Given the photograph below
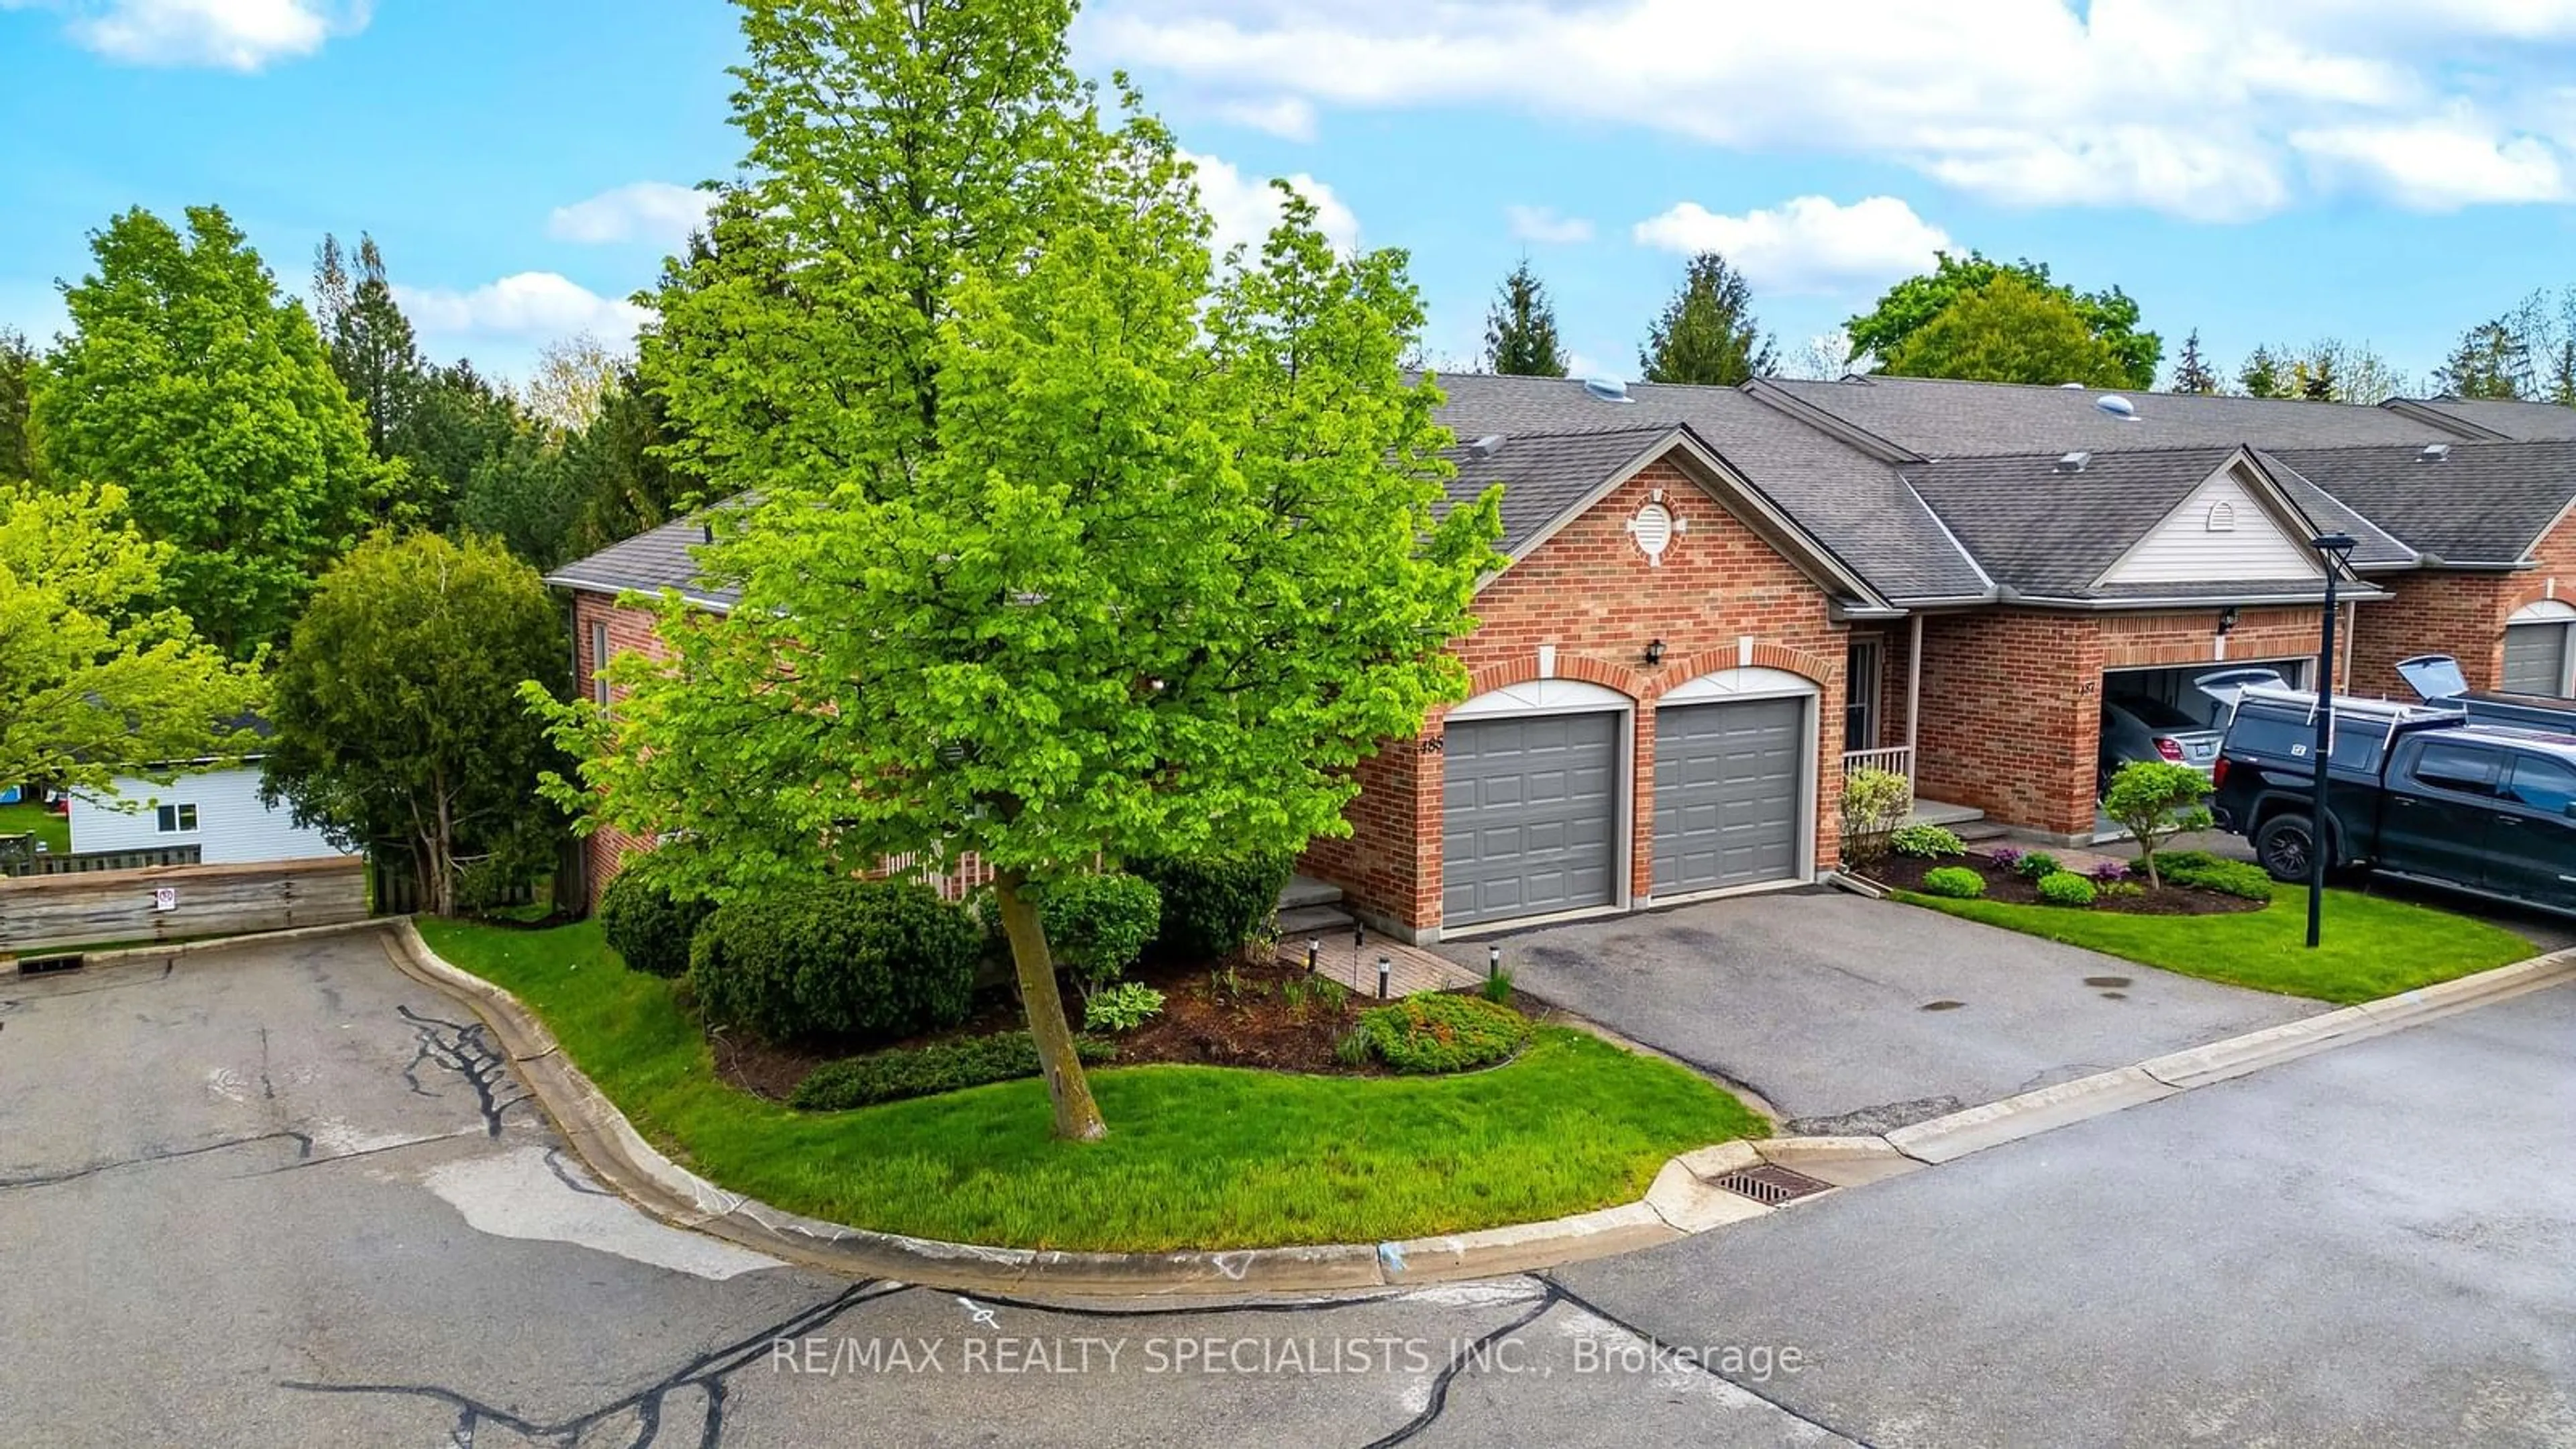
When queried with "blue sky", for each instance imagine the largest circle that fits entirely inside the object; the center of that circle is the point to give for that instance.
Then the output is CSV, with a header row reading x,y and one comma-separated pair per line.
x,y
2384,171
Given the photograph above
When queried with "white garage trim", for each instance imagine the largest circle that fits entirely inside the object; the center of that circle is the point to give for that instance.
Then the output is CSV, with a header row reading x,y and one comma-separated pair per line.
x,y
1542,696
1754,682
2543,611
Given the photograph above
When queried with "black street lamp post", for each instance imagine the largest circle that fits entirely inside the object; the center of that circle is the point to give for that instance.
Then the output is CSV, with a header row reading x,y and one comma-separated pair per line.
x,y
2332,550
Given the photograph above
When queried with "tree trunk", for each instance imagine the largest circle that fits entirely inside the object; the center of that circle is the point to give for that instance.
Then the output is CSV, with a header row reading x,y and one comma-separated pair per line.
x,y
1077,1117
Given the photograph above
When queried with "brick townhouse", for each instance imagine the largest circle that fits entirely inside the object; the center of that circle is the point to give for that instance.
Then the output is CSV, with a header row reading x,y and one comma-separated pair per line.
x,y
1721,600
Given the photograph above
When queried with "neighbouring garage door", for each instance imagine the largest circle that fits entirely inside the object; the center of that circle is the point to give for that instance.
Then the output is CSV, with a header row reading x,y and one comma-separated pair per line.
x,y
1530,817
2535,659
1730,794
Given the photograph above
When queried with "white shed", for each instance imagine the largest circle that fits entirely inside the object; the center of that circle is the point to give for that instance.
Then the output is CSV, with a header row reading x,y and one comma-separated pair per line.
x,y
217,810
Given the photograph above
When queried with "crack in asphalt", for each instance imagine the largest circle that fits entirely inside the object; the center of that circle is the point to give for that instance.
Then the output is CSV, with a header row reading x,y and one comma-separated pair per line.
x,y
555,1165
1460,1359
465,1049
1698,1361
706,1373
303,1152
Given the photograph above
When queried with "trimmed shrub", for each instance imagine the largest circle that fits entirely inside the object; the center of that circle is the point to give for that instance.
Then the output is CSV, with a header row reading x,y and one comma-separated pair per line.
x,y
648,929
948,1066
1213,908
2123,890
837,961
1123,1007
2038,865
1096,925
1927,842
1443,1033
2110,873
2155,800
2207,872
1874,804
2004,857
1955,881
2065,888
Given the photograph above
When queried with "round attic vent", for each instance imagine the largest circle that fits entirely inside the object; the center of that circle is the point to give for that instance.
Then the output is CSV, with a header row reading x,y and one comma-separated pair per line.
x,y
2114,405
1653,527
1607,388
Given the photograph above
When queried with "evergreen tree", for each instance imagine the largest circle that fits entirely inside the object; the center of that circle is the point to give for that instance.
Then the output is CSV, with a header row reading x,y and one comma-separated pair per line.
x,y
2191,370
371,341
18,363
2491,361
2261,375
1520,329
2314,379
1707,333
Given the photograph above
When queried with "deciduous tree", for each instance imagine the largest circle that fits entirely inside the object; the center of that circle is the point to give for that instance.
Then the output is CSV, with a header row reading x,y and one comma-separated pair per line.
x,y
1058,555
188,381
1520,328
2111,317
2009,330
401,723
98,677
1707,333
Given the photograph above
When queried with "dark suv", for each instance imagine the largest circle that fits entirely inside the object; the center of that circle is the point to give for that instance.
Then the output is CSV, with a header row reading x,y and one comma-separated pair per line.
x,y
2428,794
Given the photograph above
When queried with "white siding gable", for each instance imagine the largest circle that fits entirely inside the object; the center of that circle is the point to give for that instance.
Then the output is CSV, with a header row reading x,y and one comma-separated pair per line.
x,y
232,827
2222,533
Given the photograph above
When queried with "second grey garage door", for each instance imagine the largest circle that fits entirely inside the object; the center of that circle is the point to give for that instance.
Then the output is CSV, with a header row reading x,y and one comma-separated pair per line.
x,y
1730,794
1530,817
2535,659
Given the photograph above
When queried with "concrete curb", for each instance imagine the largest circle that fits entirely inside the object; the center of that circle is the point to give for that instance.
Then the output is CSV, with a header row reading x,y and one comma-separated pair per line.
x,y
216,943
1681,1203
622,1159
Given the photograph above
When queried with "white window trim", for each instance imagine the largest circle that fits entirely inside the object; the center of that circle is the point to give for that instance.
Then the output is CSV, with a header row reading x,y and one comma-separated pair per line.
x,y
185,819
599,662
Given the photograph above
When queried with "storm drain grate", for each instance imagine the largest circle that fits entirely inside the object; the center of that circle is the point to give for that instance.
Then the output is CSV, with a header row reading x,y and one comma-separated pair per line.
x,y
1772,1185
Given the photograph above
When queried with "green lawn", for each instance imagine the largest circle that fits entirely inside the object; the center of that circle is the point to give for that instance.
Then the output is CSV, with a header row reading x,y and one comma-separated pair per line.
x,y
2369,948
1197,1157
30,819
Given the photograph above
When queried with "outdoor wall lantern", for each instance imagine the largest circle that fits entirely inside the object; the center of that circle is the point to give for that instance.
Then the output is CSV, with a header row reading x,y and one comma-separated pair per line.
x,y
2227,620
1655,652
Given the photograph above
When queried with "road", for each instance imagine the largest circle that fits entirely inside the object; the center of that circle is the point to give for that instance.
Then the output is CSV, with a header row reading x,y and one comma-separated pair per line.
x,y
287,1196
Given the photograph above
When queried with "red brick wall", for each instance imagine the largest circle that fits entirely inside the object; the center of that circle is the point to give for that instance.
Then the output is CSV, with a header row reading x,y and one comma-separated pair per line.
x,y
2433,613
628,629
1590,593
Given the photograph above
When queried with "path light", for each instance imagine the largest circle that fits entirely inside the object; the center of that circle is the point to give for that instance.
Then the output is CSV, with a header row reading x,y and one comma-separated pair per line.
x,y
1385,969
1314,956
1493,962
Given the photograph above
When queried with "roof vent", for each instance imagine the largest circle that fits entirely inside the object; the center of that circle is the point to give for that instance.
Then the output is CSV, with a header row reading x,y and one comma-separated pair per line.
x,y
2434,453
2070,387
1485,447
2114,405
2075,462
1607,388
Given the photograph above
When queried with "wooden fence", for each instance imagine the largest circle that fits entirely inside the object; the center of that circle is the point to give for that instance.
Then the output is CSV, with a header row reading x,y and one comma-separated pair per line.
x,y
170,903
24,863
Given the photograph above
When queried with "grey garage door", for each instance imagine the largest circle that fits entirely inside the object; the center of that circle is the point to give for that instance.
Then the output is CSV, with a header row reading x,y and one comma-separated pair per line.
x,y
1530,817
2535,659
1730,794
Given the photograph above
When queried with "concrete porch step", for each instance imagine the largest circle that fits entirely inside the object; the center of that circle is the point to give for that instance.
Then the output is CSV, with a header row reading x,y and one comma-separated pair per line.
x,y
1936,812
1977,832
1331,922
1305,890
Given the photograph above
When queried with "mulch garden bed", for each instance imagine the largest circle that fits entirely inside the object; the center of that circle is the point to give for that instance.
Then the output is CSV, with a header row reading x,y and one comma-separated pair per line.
x,y
1905,873
1267,1014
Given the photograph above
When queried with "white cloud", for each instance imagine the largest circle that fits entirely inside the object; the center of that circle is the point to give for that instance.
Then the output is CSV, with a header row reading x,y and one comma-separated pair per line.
x,y
1542,224
530,305
230,34
2211,109
1288,117
1246,209
647,211
1807,244
2439,164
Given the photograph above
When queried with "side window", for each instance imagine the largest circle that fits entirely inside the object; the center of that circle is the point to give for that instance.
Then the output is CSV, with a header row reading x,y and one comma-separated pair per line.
x,y
2266,735
599,662
176,819
2358,744
2541,783
2465,769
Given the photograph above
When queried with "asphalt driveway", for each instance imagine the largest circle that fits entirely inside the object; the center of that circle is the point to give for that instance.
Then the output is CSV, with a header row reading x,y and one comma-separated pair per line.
x,y
1857,1015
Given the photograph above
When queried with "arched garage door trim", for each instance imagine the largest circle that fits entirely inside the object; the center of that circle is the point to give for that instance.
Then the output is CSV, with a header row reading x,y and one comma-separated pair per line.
x,y
1733,751
1535,803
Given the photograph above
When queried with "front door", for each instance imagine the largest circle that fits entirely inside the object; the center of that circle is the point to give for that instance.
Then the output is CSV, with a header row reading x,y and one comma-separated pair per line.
x,y
1860,696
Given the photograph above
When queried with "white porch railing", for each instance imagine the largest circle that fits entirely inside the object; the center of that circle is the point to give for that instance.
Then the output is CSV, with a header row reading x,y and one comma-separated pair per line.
x,y
1897,761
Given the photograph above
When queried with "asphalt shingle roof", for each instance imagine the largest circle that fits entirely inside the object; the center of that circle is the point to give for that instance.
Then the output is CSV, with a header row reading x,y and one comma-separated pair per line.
x,y
2527,421
2486,503
649,562
1854,504
2378,548
1942,419
1543,477
2043,532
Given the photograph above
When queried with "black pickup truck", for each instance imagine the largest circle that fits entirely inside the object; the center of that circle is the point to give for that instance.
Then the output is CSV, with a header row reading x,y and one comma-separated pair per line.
x,y
2444,792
